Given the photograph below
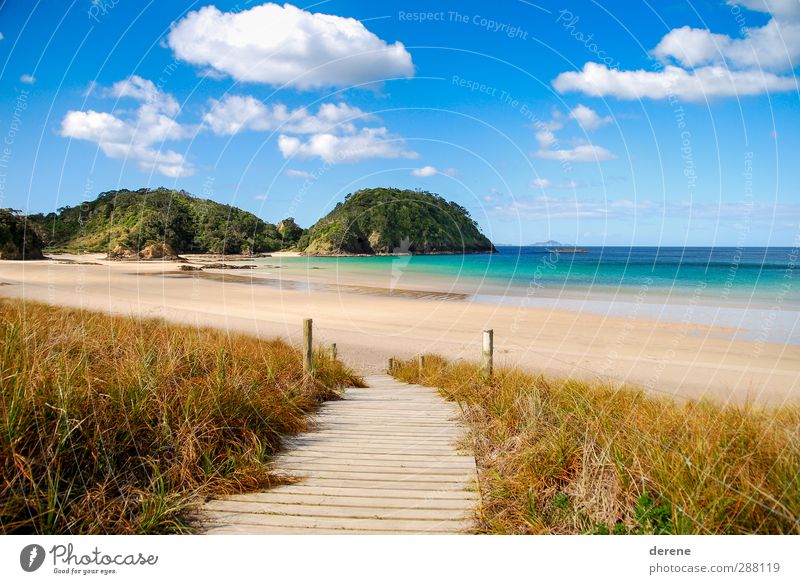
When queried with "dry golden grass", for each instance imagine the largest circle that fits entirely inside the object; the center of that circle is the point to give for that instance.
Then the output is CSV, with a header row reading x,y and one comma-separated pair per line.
x,y
118,425
565,456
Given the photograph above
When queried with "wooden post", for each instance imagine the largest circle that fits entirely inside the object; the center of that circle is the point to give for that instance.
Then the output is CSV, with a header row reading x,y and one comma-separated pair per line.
x,y
488,352
333,352
308,365
421,361
391,365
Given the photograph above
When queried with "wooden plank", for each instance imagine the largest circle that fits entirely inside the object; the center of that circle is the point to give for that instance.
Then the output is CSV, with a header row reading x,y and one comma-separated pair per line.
x,y
225,530
344,512
305,489
407,525
391,485
301,466
383,476
386,502
385,459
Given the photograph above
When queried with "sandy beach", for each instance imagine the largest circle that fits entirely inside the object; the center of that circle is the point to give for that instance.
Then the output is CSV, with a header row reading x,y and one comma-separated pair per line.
x,y
371,321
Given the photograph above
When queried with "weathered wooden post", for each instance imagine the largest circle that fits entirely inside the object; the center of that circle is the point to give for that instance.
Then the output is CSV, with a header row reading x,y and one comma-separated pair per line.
x,y
333,352
391,365
308,364
488,352
421,362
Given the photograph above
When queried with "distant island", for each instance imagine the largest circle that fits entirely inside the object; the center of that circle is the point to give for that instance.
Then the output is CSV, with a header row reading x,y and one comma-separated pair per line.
x,y
549,243
160,223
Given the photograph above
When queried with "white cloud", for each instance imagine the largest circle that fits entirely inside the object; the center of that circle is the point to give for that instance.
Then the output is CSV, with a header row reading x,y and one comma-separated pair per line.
x,y
581,153
588,119
281,45
27,79
366,143
706,82
292,173
546,183
236,113
145,91
545,138
453,172
774,46
425,171
697,64
333,135
134,138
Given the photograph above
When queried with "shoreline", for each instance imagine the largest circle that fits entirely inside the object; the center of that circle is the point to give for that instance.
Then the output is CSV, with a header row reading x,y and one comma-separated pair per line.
x,y
370,323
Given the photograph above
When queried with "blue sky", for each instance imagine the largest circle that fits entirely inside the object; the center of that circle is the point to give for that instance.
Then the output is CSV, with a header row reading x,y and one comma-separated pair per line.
x,y
612,123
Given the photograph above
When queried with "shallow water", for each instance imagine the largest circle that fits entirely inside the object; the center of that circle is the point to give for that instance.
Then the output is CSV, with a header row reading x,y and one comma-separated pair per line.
x,y
754,290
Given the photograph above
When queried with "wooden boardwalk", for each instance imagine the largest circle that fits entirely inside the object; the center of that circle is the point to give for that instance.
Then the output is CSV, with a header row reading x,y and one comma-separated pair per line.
x,y
382,460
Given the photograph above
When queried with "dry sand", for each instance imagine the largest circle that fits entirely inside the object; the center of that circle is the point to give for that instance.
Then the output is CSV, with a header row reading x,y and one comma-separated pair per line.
x,y
369,326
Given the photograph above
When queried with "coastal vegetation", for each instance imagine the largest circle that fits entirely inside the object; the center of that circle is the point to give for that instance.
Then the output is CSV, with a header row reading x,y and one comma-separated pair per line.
x,y
386,221
18,239
119,425
567,456
126,222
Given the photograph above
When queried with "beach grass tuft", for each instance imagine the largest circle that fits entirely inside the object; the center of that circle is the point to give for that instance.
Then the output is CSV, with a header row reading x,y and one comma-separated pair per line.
x,y
114,424
561,456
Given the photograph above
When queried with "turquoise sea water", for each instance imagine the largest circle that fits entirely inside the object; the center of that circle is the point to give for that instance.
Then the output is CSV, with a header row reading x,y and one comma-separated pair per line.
x,y
728,275
755,289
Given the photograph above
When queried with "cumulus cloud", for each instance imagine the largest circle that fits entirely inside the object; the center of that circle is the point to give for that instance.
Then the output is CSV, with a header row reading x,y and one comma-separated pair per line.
x,y
774,46
145,91
292,173
27,79
545,138
425,171
588,119
285,45
237,113
706,82
134,138
546,183
334,135
332,148
581,153
697,64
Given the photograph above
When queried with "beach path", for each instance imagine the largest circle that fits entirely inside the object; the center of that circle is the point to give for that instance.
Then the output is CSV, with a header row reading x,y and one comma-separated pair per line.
x,y
384,459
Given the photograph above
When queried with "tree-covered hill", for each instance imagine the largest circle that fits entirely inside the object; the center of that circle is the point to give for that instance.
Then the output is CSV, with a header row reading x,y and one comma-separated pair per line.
x,y
136,219
18,240
385,221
